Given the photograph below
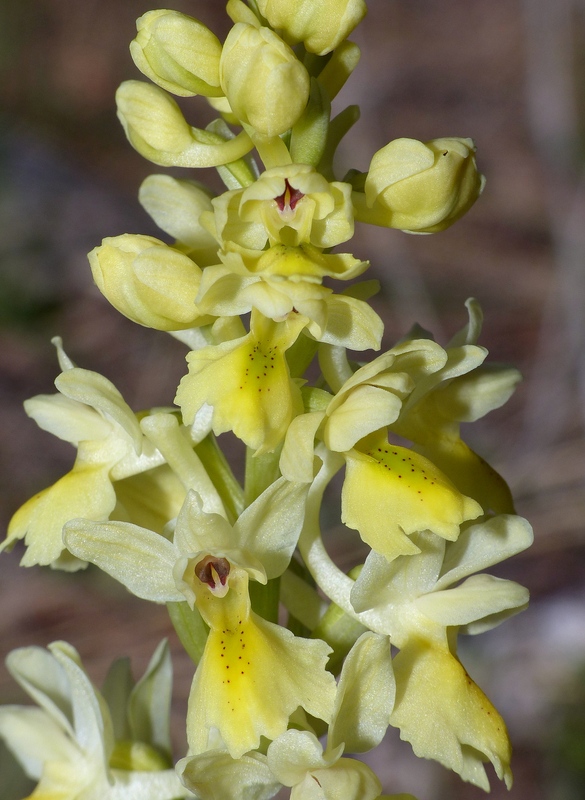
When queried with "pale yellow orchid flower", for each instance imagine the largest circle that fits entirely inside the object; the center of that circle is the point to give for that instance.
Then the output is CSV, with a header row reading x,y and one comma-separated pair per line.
x,y
420,602
284,279
77,746
253,673
420,187
389,491
90,413
290,205
178,53
149,282
464,390
247,382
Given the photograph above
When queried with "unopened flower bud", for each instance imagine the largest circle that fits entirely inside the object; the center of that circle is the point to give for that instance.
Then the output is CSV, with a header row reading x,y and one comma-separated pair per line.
x,y
147,281
319,24
178,53
265,83
156,127
153,122
420,187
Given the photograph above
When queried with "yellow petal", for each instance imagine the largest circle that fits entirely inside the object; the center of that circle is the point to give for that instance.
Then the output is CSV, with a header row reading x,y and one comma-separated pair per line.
x,y
253,674
247,382
391,492
474,476
84,492
445,715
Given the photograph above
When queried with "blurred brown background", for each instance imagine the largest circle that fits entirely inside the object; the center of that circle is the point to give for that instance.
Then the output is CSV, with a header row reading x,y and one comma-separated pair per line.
x,y
508,73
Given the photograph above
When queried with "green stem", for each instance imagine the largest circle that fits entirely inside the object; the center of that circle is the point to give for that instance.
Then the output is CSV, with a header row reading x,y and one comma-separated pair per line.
x,y
190,628
222,477
338,127
265,599
261,471
300,355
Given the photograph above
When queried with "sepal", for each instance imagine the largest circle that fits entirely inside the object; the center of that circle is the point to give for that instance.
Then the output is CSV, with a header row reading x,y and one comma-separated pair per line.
x,y
176,206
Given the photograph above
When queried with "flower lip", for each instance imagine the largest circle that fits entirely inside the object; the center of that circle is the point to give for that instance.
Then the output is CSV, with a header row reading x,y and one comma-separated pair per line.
x,y
214,571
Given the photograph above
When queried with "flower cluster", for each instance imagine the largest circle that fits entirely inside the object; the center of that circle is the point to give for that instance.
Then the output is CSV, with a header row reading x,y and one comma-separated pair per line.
x,y
249,285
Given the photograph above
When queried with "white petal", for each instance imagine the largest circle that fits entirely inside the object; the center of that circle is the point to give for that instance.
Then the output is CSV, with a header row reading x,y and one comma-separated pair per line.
x,y
472,396
98,392
270,527
45,681
140,559
156,785
483,544
150,702
477,597
69,420
34,738
91,728
175,206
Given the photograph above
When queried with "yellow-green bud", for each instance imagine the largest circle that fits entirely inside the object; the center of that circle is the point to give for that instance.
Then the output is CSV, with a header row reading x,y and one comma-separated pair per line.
x,y
147,281
152,121
178,53
319,24
265,83
420,187
156,127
